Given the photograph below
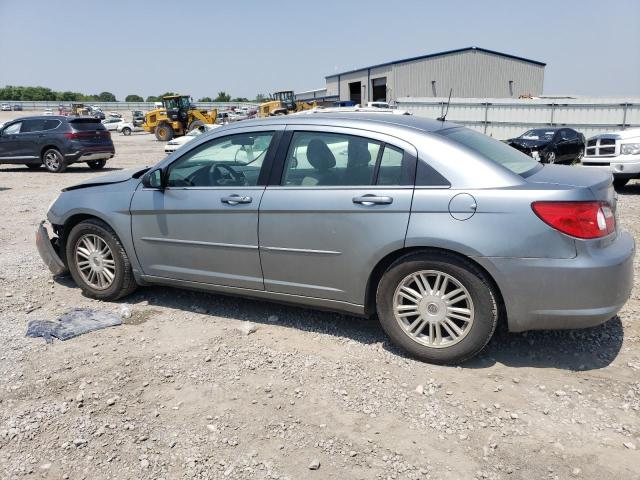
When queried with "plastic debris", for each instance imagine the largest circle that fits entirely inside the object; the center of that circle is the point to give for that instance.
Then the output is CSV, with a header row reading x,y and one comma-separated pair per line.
x,y
72,324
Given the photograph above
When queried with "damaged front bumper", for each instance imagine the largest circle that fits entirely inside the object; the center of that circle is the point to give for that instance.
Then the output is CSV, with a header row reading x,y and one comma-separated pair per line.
x,y
47,248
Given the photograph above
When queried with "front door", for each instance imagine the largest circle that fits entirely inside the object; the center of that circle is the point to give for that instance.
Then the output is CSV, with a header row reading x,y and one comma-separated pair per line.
x,y
341,205
10,142
203,227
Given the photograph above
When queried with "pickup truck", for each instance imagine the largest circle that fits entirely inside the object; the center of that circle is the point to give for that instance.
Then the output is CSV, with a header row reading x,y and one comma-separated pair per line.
x,y
617,152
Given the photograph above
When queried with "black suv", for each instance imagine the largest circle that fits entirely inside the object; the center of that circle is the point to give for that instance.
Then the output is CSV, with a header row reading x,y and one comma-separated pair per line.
x,y
55,142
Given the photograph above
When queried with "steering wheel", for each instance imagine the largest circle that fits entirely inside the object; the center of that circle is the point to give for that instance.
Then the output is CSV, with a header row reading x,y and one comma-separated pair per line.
x,y
218,175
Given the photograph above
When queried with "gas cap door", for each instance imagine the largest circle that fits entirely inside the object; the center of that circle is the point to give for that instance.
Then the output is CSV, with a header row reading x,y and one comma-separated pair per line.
x,y
462,206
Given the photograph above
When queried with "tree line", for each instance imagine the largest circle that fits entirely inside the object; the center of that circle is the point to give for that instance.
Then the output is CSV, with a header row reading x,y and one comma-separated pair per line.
x,y
11,92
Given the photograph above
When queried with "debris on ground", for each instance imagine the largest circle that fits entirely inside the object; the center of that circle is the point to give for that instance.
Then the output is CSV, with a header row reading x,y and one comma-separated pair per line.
x,y
72,324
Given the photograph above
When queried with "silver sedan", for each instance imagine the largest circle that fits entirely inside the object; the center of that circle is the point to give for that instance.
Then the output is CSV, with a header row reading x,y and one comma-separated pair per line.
x,y
436,230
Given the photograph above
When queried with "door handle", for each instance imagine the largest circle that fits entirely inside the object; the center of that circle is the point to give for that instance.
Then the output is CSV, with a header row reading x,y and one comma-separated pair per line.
x,y
235,199
370,199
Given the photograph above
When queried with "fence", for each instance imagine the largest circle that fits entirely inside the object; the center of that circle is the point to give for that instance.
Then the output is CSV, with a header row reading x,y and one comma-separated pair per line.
x,y
506,118
115,106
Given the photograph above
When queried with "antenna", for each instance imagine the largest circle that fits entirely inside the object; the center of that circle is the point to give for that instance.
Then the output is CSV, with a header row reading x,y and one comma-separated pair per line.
x,y
444,116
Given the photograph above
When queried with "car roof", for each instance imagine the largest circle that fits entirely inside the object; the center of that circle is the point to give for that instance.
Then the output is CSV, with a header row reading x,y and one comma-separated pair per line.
x,y
356,119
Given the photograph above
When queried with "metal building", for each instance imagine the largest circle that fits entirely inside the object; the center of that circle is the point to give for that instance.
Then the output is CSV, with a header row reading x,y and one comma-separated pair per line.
x,y
471,72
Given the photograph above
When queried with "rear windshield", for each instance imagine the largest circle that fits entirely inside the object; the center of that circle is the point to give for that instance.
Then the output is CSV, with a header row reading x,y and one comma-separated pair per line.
x,y
86,124
494,150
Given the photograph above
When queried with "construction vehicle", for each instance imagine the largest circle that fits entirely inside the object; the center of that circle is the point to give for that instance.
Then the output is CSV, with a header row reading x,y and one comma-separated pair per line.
x,y
283,103
79,109
176,117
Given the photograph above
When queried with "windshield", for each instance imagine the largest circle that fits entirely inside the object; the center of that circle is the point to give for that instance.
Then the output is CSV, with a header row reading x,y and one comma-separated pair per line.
x,y
494,150
538,134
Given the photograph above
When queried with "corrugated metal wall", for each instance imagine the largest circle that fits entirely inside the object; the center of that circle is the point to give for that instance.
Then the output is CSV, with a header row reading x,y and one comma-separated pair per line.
x,y
505,118
471,74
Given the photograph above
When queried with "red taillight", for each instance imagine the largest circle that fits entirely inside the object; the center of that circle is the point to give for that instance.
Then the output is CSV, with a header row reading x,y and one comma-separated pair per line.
x,y
578,219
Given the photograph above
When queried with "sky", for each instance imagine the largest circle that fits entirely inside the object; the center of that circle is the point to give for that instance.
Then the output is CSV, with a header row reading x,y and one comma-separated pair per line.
x,y
246,47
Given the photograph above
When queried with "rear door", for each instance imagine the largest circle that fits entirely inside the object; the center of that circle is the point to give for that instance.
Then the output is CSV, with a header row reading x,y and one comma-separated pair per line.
x,y
203,227
338,202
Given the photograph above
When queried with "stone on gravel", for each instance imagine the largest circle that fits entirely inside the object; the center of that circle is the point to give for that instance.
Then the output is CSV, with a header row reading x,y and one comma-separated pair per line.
x,y
247,328
315,464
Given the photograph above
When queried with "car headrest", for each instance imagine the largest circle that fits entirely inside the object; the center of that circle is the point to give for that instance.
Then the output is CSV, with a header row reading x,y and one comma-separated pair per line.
x,y
358,154
319,155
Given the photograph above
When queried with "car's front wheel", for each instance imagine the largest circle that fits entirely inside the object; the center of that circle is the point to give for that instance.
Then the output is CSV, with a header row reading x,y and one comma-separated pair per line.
x,y
54,161
126,131
550,157
98,262
438,307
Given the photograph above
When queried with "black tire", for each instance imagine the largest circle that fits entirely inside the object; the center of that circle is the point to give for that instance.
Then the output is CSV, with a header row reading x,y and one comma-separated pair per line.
x,y
34,166
479,287
54,161
164,132
97,164
126,131
620,183
123,282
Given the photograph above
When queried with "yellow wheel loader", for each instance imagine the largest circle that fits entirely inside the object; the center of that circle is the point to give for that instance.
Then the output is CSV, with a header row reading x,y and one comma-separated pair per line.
x,y
283,103
176,117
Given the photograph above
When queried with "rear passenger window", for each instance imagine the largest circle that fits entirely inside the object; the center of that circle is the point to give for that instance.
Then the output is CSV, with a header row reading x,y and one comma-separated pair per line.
x,y
330,159
390,171
51,124
333,159
32,126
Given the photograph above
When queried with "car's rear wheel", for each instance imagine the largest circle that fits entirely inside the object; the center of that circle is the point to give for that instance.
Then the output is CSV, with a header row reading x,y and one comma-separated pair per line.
x,y
54,161
34,166
126,131
579,156
96,164
438,307
98,262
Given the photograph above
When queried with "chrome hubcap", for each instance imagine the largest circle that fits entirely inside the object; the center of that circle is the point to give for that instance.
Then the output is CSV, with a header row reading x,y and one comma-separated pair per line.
x,y
433,308
51,160
551,158
95,261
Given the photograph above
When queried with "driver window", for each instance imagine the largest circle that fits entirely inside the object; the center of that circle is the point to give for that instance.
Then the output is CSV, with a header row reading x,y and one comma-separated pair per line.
x,y
12,129
229,161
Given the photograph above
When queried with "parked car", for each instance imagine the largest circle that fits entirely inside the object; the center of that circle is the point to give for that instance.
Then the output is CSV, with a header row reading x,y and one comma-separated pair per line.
x,y
126,128
551,145
615,152
378,104
17,107
55,142
5,107
173,145
115,115
112,123
137,117
47,112
439,230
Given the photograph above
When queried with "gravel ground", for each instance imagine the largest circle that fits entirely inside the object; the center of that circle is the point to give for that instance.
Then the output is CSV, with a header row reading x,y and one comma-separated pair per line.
x,y
186,388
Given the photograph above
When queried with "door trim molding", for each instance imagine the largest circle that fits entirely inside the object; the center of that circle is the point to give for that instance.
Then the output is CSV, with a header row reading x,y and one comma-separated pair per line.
x,y
199,243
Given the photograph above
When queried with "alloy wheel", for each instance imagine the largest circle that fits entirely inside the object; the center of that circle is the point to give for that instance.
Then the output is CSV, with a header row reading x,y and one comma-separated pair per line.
x,y
95,261
551,157
52,160
433,308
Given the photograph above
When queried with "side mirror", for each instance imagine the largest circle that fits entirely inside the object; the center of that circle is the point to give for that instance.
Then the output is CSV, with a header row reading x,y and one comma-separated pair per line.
x,y
153,179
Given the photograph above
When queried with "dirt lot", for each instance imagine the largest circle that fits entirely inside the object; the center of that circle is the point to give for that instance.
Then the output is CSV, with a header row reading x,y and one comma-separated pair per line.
x,y
180,391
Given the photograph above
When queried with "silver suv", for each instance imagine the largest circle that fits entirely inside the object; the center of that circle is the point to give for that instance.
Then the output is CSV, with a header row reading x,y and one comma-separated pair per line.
x,y
439,231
